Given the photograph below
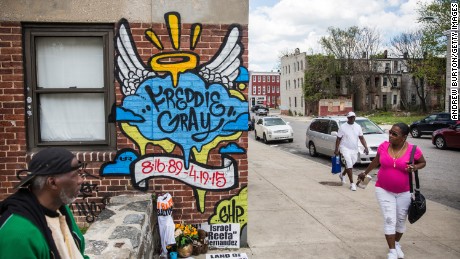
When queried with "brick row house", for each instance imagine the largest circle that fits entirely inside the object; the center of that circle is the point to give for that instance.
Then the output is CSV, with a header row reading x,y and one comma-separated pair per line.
x,y
264,87
151,95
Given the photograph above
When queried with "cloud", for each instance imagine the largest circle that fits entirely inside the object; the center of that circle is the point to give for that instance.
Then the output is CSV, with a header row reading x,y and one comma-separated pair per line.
x,y
232,148
289,24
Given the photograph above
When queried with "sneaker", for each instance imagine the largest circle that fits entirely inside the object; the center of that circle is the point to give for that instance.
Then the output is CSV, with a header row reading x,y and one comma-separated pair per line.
x,y
353,186
392,254
399,251
342,178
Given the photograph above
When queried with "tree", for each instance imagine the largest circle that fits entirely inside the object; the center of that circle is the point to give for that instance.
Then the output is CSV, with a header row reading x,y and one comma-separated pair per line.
x,y
427,69
354,48
435,20
319,79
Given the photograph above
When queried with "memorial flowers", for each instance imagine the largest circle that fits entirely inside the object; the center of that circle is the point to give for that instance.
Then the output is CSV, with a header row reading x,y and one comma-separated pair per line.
x,y
185,234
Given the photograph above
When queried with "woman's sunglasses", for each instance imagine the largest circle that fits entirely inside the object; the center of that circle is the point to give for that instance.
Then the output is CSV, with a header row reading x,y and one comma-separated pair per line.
x,y
393,133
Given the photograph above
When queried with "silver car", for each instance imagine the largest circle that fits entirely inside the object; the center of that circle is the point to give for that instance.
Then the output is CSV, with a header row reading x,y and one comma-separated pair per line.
x,y
322,134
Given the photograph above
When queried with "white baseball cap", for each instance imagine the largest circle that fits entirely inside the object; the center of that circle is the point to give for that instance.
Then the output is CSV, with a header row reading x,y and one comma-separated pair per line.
x,y
351,114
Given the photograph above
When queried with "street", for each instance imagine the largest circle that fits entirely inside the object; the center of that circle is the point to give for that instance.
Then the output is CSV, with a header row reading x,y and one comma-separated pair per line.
x,y
439,180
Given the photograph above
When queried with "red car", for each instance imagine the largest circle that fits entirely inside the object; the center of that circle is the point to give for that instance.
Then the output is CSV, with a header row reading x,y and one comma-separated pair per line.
x,y
447,137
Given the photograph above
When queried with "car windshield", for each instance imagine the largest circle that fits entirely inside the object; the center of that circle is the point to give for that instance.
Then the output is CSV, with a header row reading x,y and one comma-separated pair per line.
x,y
367,126
274,122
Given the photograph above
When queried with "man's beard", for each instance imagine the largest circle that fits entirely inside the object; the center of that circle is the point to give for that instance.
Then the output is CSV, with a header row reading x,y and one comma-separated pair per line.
x,y
65,198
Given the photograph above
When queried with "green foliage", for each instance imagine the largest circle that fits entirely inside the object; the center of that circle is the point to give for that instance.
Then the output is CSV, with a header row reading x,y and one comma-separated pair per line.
x,y
435,19
390,118
318,75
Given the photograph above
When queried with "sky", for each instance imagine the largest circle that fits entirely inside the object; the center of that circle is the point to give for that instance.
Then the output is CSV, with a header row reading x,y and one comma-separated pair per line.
x,y
278,26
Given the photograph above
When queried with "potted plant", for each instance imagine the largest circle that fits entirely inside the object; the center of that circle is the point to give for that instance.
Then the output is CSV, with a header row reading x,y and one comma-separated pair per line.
x,y
185,235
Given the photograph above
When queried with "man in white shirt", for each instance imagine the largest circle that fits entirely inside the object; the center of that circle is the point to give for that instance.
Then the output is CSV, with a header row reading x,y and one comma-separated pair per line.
x,y
347,144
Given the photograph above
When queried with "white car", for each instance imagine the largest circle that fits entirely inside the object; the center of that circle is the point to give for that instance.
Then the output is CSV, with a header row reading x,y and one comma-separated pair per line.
x,y
273,128
322,134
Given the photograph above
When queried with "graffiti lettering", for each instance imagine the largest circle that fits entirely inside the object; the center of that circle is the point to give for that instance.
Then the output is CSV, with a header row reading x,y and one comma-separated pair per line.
x,y
175,167
89,209
202,176
231,212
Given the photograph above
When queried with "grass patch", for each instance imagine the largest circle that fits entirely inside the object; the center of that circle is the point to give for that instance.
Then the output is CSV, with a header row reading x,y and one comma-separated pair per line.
x,y
391,118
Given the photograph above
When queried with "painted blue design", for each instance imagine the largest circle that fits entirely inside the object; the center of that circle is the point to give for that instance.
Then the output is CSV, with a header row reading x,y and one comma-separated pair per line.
x,y
124,115
191,115
121,164
243,76
241,123
232,148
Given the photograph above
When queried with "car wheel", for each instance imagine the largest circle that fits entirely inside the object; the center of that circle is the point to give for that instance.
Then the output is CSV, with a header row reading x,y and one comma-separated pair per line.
x,y
265,139
255,134
415,132
291,140
312,149
440,142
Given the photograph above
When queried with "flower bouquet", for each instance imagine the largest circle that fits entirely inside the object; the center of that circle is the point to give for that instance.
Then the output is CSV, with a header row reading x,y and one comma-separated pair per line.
x,y
185,235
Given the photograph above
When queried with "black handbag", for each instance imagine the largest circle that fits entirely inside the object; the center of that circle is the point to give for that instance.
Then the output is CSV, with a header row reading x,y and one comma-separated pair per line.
x,y
417,205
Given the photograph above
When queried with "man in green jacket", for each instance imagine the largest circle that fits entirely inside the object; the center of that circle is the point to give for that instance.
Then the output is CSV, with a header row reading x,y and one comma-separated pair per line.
x,y
35,222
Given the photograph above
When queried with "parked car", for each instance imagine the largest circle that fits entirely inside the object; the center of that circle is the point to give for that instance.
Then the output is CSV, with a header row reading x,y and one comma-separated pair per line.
x,y
255,107
262,111
322,134
447,137
431,123
273,128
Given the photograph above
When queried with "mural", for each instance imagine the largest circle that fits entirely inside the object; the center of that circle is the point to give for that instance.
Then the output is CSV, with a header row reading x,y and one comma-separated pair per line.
x,y
178,102
233,210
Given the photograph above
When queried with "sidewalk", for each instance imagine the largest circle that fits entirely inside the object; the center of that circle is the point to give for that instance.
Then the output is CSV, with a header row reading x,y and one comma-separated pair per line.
x,y
293,215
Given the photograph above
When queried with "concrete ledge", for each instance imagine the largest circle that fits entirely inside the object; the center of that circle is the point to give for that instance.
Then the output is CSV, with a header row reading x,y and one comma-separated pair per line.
x,y
125,229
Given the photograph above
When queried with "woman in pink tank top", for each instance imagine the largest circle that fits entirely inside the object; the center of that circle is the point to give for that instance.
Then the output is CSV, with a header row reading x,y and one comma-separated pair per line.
x,y
392,187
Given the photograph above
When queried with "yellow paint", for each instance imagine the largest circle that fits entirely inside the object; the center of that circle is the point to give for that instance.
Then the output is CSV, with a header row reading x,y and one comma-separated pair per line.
x,y
241,86
240,201
173,21
151,34
237,94
142,142
195,33
162,63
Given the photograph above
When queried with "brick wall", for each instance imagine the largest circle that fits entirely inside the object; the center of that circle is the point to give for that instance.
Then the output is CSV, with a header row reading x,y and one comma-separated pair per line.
x,y
14,152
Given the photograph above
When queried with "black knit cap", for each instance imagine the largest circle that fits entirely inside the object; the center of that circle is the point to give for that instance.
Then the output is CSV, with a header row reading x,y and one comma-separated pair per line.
x,y
49,161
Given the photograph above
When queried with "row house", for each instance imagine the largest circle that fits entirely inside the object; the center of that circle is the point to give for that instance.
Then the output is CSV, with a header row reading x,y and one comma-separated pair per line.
x,y
291,87
382,83
264,89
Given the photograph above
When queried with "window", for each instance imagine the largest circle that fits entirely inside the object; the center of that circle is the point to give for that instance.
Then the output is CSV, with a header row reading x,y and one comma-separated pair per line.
x,y
258,78
295,101
69,76
387,67
258,90
395,99
268,99
277,79
268,89
395,81
268,78
254,90
273,89
413,99
263,89
385,81
254,79
384,100
263,78
278,89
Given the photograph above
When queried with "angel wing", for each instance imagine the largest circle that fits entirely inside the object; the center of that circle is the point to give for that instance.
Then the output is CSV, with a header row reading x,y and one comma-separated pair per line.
x,y
223,67
129,68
